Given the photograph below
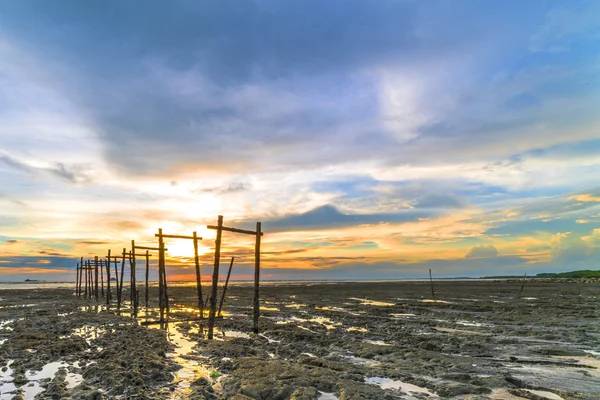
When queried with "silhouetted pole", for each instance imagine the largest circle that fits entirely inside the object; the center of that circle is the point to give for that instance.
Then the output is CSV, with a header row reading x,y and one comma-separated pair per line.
x,y
161,289
431,282
147,270
77,280
80,274
225,287
87,277
102,276
91,278
118,288
96,277
198,277
132,283
523,285
215,279
120,299
108,294
257,277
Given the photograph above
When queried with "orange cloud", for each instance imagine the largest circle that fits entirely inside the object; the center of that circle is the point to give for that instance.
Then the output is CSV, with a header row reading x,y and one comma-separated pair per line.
x,y
30,270
586,198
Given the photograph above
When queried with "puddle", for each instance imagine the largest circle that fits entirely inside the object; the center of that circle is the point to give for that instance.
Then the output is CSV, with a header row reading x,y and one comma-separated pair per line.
x,y
263,308
356,329
306,329
403,315
377,342
309,354
327,308
434,301
386,383
295,305
235,334
327,396
366,302
530,298
326,322
269,339
190,370
89,332
460,331
360,360
467,323
544,394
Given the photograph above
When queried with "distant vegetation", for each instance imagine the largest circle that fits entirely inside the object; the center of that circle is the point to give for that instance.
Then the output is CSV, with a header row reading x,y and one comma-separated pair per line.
x,y
585,273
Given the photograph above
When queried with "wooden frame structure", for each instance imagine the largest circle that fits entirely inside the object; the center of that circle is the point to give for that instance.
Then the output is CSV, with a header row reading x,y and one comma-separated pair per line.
x,y
213,296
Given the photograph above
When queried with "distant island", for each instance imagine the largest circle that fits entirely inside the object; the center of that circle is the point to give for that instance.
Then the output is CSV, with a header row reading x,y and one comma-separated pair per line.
x,y
31,280
584,273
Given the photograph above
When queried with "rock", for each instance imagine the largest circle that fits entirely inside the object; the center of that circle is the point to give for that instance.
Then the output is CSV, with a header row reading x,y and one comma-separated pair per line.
x,y
305,394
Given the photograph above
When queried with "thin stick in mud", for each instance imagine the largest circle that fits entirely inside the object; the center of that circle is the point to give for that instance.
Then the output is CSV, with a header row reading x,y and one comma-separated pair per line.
x,y
96,277
225,287
431,282
198,276
147,270
257,277
523,285
108,293
101,265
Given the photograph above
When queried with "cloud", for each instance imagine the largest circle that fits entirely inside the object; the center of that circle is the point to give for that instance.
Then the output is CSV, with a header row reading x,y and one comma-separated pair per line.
x,y
233,187
71,173
483,251
328,216
586,198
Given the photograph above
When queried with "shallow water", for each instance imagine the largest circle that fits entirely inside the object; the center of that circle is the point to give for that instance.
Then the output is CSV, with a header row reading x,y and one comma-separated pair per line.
x,y
386,383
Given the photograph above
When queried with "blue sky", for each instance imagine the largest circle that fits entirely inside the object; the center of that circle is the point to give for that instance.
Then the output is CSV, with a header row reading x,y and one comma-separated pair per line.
x,y
427,129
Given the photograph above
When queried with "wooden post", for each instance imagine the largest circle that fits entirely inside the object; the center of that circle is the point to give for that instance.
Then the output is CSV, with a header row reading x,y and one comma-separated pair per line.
x,y
257,277
80,274
108,293
523,285
77,280
118,288
198,277
132,282
215,279
225,287
102,276
96,293
161,257
147,270
87,277
121,283
431,282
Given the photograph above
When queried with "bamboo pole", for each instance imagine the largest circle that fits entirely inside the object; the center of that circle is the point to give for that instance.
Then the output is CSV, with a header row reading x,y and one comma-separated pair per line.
x,y
121,281
118,288
198,276
215,279
96,293
80,274
257,277
225,287
108,293
77,280
87,279
431,282
161,256
132,282
147,270
102,277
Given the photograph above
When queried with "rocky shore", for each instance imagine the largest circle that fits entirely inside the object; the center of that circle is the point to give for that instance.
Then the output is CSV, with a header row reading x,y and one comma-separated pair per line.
x,y
475,340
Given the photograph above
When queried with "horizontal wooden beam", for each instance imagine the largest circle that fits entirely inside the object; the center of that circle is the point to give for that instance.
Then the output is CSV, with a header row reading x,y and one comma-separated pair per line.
x,y
224,228
148,248
142,255
179,237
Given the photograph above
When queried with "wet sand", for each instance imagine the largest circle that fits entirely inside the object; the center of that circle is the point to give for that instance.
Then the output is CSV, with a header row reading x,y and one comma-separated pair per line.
x,y
475,340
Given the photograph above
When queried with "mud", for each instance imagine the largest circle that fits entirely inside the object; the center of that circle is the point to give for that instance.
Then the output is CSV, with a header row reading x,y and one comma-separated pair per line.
x,y
477,340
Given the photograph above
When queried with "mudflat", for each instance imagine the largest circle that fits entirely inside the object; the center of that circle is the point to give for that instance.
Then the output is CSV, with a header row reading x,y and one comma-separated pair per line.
x,y
364,340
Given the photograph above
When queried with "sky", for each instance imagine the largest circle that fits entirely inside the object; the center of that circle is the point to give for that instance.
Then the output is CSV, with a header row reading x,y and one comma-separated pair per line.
x,y
373,139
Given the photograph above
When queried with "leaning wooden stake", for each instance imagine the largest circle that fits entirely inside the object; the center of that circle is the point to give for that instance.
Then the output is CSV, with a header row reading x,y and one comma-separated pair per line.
x,y
431,282
198,277
215,279
225,287
120,298
257,277
118,288
523,285
77,280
